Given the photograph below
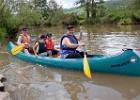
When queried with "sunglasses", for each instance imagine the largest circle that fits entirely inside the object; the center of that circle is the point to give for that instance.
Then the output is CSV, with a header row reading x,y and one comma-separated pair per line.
x,y
24,30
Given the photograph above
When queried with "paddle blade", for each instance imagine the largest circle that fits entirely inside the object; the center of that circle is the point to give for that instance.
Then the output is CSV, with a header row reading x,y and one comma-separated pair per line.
x,y
16,49
86,67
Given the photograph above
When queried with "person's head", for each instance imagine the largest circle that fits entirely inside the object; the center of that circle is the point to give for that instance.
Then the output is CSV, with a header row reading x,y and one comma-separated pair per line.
x,y
70,29
49,36
42,38
24,30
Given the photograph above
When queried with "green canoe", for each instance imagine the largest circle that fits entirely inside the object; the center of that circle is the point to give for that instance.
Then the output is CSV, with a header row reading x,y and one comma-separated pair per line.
x,y
126,62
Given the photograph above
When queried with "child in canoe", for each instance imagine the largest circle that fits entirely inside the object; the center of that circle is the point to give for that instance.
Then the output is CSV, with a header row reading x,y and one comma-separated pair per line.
x,y
50,45
40,47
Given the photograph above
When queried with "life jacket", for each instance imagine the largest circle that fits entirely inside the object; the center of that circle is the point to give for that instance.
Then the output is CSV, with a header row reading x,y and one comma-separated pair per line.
x,y
50,44
25,39
65,49
41,47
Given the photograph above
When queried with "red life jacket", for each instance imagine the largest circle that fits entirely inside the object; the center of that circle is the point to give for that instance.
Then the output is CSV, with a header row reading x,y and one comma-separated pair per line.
x,y
50,44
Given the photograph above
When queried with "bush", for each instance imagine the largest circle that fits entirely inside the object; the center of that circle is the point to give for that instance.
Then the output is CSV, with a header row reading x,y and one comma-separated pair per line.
x,y
2,34
126,21
92,20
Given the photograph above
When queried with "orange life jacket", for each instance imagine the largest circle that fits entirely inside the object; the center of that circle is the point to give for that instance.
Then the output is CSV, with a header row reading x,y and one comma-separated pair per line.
x,y
49,44
25,39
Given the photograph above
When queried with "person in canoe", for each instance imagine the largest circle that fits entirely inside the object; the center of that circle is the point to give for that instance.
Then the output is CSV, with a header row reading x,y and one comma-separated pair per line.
x,y
50,45
69,44
40,47
25,39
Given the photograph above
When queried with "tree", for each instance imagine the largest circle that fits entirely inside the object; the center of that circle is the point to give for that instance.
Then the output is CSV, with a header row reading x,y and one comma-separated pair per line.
x,y
4,13
24,13
84,3
87,7
49,10
15,14
93,10
91,7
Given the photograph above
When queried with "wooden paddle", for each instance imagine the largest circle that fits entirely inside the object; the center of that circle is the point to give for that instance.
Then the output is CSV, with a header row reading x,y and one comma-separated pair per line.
x,y
16,49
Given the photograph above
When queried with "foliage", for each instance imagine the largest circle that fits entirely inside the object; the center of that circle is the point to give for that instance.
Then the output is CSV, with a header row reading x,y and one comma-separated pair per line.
x,y
4,14
26,14
125,21
15,14
68,19
123,12
55,12
112,4
78,10
112,11
92,20
94,9
2,32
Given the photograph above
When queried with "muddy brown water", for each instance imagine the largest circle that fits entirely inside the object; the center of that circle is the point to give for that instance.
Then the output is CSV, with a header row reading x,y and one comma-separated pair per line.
x,y
27,81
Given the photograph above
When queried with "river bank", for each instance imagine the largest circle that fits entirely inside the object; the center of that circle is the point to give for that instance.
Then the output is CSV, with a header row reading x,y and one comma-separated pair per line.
x,y
3,95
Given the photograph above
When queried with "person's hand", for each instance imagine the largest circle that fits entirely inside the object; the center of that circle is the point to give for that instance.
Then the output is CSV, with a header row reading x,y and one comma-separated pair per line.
x,y
36,55
82,44
26,44
81,30
22,44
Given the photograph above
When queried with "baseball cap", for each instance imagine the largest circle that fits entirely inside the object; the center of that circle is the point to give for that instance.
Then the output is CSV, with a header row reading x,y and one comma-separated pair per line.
x,y
48,34
69,27
24,29
42,37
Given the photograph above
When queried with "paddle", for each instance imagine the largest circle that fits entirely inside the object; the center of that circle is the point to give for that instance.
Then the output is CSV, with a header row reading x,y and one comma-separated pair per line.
x,y
86,66
16,49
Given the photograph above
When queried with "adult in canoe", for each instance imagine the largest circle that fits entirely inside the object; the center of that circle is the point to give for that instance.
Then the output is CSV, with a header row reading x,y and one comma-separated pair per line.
x,y
25,39
69,44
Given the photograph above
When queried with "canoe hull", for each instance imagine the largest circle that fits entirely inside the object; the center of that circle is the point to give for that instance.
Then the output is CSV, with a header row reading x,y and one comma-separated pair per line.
x,y
126,62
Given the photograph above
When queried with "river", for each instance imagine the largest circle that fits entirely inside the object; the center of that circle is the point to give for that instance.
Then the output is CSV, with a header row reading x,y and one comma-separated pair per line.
x,y
27,81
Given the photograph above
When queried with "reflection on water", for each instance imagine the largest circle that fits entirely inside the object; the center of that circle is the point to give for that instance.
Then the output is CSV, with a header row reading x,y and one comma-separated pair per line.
x,y
34,82
27,81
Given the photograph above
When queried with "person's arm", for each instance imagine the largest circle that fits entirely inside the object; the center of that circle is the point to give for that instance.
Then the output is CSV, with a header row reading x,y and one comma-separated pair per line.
x,y
19,41
80,36
66,42
34,49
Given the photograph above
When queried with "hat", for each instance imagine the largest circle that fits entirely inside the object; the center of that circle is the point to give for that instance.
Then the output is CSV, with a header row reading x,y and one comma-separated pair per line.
x,y
48,34
69,27
24,29
42,37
